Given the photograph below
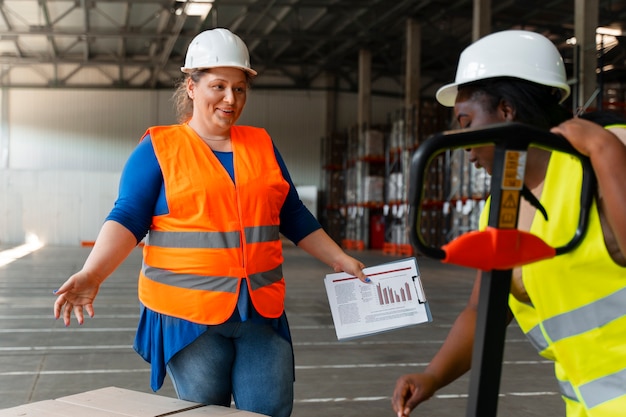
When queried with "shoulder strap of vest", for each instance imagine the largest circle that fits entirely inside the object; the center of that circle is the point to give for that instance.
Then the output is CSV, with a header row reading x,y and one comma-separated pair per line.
x,y
159,130
249,131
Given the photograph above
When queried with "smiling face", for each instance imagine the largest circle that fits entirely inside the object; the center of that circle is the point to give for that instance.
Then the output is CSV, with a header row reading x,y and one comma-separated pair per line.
x,y
474,109
219,97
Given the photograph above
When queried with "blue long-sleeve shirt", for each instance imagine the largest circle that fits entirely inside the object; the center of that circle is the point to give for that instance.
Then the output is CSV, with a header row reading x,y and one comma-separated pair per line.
x,y
141,196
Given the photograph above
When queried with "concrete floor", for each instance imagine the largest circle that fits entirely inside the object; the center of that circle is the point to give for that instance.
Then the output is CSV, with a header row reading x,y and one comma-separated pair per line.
x,y
40,359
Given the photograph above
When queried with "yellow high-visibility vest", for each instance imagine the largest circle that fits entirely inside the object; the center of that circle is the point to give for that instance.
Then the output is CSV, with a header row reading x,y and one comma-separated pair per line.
x,y
577,313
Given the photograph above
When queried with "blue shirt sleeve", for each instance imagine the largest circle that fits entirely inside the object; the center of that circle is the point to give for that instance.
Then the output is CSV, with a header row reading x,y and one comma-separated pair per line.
x,y
141,184
296,221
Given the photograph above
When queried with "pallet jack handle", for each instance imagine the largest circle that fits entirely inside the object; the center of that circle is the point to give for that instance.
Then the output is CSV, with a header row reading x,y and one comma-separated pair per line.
x,y
501,246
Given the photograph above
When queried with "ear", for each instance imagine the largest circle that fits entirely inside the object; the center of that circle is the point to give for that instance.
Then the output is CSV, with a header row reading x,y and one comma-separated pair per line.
x,y
506,111
190,87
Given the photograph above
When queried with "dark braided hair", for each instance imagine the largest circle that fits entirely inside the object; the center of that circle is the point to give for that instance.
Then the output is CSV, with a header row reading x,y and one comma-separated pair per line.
x,y
534,104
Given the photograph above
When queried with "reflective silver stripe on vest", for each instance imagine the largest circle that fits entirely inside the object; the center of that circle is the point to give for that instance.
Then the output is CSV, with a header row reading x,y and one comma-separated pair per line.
x,y
261,279
535,335
586,318
260,234
193,282
567,390
211,283
604,389
579,321
190,240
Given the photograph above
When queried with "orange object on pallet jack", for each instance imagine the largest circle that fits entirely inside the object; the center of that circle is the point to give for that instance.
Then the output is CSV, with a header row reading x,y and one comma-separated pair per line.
x,y
493,248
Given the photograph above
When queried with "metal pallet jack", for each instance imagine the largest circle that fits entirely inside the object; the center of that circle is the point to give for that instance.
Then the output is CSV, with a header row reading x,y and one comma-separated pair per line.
x,y
503,246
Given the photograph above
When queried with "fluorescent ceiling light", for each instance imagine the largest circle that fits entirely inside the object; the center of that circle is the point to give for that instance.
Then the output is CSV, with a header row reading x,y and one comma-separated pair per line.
x,y
608,31
196,7
605,37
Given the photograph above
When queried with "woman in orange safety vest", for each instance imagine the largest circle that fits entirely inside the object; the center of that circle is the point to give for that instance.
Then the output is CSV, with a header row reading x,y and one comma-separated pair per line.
x,y
211,199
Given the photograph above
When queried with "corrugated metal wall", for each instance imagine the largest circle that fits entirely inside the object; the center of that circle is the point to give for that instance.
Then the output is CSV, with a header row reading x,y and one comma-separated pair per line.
x,y
64,150
86,130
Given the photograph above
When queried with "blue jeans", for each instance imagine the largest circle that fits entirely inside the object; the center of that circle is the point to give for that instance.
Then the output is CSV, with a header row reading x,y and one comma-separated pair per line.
x,y
247,360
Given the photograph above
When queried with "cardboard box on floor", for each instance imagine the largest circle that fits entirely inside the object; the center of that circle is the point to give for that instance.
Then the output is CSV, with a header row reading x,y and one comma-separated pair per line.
x,y
119,402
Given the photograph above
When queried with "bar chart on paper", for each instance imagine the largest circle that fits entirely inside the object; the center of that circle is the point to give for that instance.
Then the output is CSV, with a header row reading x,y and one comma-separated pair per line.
x,y
394,298
389,295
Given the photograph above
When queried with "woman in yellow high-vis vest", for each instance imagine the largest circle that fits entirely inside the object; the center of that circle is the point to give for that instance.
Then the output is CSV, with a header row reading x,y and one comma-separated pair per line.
x,y
572,307
211,199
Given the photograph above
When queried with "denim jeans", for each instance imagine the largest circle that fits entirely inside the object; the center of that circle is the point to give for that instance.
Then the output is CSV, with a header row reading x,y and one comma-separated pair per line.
x,y
247,360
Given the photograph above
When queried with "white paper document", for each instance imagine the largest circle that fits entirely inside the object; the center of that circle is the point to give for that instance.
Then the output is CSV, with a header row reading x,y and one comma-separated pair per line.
x,y
395,298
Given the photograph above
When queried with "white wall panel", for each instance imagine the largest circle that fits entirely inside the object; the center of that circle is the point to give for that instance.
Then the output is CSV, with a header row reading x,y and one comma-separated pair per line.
x,y
92,130
296,122
382,109
4,128
59,207
66,149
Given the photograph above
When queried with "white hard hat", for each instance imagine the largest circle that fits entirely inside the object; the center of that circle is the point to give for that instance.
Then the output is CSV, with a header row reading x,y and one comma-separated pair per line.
x,y
217,48
510,53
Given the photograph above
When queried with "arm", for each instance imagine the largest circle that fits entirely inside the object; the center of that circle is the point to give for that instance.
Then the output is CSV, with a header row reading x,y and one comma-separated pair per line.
x,y
607,153
113,245
296,221
298,224
125,226
324,248
453,359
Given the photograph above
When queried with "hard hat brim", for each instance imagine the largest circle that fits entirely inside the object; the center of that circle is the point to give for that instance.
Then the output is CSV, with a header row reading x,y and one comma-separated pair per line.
x,y
446,95
250,71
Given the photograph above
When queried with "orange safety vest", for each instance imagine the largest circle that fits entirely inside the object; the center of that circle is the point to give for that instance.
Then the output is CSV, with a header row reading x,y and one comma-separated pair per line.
x,y
215,233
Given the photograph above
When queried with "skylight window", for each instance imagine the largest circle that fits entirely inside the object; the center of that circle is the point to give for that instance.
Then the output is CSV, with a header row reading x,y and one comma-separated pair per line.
x,y
195,7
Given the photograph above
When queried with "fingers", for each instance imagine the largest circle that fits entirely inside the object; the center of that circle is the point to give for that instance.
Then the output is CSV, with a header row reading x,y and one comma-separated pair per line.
x,y
67,314
68,308
410,390
358,271
63,288
75,295
398,400
58,305
351,266
60,301
78,313
90,311
361,275
582,134
64,308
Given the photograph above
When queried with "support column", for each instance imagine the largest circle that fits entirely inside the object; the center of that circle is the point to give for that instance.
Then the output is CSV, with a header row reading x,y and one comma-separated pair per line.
x,y
4,128
331,105
365,88
413,64
585,23
481,24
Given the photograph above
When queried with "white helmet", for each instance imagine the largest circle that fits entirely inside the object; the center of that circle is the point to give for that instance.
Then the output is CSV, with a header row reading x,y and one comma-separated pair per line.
x,y
510,53
217,48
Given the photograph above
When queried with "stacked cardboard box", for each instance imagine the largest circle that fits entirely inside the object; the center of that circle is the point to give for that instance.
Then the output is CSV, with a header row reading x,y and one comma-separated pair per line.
x,y
119,402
